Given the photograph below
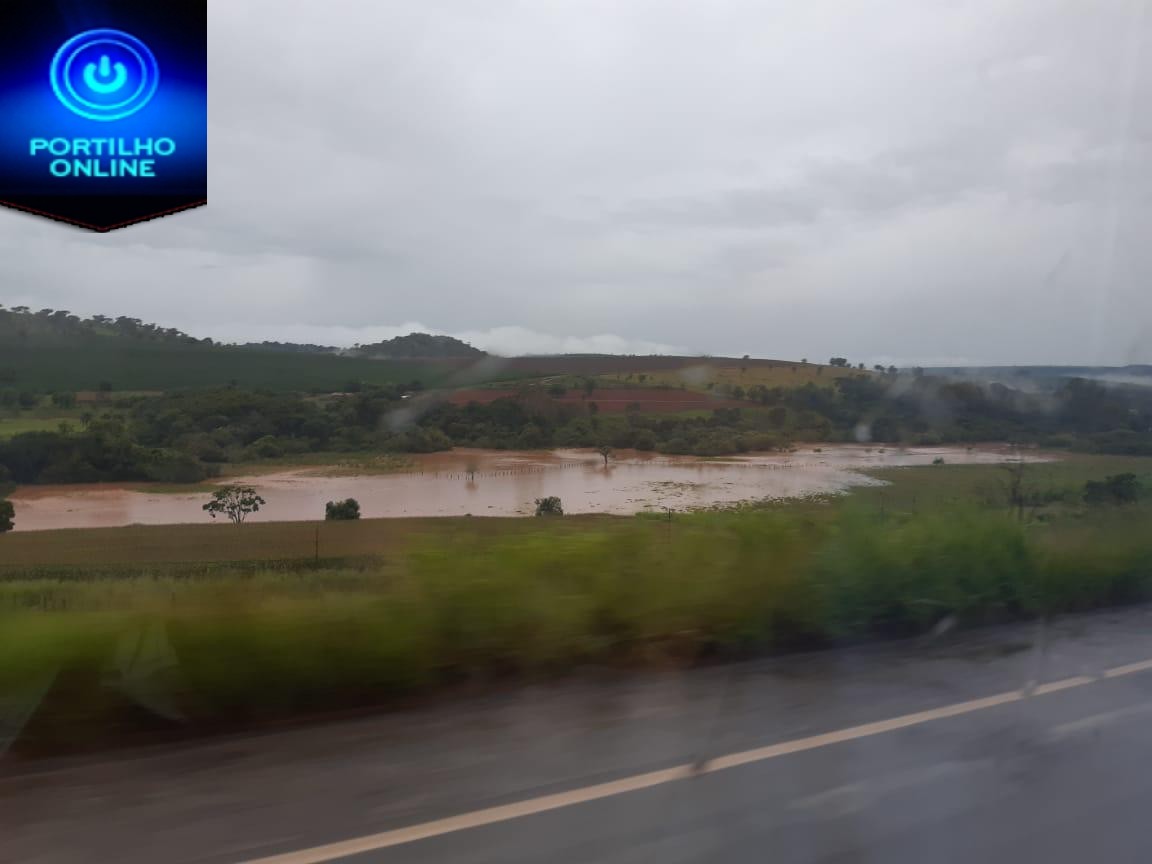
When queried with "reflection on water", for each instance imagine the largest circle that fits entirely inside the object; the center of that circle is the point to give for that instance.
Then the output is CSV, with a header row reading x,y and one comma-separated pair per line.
x,y
499,483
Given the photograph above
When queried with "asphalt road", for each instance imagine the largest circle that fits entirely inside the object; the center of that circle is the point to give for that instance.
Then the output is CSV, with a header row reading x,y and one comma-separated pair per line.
x,y
1007,745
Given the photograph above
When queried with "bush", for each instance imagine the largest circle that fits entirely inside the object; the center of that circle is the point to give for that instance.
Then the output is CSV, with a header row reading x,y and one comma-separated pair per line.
x,y
644,440
1115,489
7,516
549,506
347,509
899,578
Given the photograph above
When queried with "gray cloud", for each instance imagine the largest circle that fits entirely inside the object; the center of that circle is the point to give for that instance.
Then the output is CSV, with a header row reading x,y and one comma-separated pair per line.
x,y
892,181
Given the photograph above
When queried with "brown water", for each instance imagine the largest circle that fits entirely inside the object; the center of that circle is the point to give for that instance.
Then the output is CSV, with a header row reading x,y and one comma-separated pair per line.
x,y
504,483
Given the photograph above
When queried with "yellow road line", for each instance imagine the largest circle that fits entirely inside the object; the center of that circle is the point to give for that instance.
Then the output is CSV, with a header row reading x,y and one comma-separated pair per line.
x,y
544,803
1129,669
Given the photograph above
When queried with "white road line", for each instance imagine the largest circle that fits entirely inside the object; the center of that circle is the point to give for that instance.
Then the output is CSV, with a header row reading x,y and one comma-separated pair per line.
x,y
545,803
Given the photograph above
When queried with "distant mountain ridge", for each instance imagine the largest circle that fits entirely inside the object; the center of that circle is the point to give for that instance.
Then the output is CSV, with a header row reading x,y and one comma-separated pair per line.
x,y
20,324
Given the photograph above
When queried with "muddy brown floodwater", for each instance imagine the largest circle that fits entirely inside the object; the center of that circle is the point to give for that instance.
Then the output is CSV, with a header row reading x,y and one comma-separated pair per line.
x,y
499,483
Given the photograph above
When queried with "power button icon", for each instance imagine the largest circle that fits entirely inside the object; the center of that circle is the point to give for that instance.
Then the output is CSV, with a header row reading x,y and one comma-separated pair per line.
x,y
104,75
95,81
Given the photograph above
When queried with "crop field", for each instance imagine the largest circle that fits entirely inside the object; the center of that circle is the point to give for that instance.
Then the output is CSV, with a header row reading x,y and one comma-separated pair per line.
x,y
614,400
699,376
159,366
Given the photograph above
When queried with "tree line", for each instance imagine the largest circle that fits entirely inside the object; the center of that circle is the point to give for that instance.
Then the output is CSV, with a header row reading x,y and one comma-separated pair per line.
x,y
185,436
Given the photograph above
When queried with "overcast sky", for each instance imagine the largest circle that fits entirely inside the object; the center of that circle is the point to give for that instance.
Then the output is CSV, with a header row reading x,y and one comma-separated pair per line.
x,y
908,181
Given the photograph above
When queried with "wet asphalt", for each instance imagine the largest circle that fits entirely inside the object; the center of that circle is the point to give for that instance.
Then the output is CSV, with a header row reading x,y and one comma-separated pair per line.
x,y
1048,776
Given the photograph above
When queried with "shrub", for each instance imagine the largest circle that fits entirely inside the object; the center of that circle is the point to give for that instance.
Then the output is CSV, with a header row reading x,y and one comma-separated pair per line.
x,y
549,506
1116,489
644,440
347,509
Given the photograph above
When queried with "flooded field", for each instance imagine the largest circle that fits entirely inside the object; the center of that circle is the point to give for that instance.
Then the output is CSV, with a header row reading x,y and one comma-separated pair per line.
x,y
499,483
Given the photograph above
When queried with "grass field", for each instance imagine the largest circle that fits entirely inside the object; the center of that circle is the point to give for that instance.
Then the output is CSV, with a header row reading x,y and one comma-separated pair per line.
x,y
1062,481
694,374
698,376
10,426
104,549
205,627
614,399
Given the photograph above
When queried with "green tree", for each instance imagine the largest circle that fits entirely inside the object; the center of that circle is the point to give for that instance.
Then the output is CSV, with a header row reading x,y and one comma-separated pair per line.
x,y
347,509
644,440
235,502
605,452
7,516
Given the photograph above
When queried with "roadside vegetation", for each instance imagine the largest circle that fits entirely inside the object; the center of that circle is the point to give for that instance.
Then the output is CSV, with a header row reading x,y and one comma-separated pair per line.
x,y
442,603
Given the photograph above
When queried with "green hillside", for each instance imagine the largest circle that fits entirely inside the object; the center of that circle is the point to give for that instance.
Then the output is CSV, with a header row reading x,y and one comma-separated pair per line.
x,y
53,350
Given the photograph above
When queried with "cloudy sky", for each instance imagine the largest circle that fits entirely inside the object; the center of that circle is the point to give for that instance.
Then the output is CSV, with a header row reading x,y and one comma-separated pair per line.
x,y
909,181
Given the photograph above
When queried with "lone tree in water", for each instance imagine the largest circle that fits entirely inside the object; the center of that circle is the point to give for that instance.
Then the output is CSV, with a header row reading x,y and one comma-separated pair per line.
x,y
235,502
549,506
606,452
349,508
7,516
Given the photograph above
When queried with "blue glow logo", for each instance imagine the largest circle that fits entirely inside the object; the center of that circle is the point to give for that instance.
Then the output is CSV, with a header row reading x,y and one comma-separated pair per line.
x,y
104,75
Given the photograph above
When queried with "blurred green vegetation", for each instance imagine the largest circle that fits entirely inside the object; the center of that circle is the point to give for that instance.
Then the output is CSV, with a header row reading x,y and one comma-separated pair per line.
x,y
542,597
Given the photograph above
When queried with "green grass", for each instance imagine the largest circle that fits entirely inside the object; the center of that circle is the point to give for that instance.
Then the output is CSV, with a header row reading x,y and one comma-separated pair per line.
x,y
10,426
935,485
81,549
396,607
